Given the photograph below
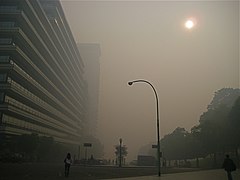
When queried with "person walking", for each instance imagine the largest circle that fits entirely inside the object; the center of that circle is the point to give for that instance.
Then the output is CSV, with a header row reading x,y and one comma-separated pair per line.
x,y
68,162
229,166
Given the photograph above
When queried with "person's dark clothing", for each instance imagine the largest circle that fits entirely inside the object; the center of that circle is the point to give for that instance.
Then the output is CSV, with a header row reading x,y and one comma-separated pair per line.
x,y
68,162
229,175
67,167
229,166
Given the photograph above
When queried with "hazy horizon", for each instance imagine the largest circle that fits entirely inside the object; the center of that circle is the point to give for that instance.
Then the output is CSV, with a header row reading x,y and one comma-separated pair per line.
x,y
148,40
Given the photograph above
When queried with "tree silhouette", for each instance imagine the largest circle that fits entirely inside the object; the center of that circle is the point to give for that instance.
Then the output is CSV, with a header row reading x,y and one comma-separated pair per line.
x,y
218,130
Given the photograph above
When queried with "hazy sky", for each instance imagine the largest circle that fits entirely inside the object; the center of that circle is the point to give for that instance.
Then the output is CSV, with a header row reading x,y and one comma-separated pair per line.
x,y
148,40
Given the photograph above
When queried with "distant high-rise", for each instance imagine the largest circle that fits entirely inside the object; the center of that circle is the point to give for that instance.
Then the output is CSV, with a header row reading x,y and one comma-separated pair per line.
x,y
41,72
91,53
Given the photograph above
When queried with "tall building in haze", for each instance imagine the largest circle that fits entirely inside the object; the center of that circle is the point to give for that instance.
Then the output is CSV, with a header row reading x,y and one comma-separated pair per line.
x,y
42,89
91,53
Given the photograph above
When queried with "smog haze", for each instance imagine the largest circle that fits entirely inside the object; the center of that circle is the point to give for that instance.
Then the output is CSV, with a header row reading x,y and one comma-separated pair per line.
x,y
148,40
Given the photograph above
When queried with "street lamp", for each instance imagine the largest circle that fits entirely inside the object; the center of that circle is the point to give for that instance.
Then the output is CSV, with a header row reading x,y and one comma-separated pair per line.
x,y
158,134
120,152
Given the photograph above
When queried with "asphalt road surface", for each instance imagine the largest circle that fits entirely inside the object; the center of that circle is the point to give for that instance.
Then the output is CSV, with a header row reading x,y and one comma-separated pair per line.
x,y
218,174
41,171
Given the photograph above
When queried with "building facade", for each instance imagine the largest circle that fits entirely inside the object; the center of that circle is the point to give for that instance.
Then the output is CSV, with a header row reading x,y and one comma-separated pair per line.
x,y
42,89
91,53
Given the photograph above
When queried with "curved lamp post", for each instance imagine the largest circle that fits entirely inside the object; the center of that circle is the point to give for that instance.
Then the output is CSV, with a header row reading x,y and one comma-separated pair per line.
x,y
158,134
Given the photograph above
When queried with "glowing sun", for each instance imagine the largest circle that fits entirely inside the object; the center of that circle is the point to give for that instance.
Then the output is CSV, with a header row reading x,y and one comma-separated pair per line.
x,y
189,24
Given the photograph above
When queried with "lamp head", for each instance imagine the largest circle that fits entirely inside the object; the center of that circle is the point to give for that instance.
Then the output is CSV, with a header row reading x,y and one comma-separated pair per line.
x,y
130,83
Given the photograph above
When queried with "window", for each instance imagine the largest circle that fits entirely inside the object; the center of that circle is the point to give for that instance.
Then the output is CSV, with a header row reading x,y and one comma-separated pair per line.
x,y
2,94
7,24
4,59
1,117
3,77
5,40
8,8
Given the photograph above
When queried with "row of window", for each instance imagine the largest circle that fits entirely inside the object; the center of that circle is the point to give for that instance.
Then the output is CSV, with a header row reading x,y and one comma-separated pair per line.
x,y
1,118
8,8
2,95
6,41
72,63
42,117
3,77
76,91
34,53
6,24
8,120
37,99
4,59
44,105
30,110
18,86
36,84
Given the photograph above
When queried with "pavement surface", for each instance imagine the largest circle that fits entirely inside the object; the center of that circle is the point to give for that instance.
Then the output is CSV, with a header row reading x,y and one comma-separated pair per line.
x,y
218,174
45,171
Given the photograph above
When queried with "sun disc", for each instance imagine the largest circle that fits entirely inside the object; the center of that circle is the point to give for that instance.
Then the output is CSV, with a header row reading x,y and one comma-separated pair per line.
x,y
189,24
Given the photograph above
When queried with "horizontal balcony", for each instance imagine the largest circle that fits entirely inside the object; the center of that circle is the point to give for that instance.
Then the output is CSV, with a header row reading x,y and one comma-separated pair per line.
x,y
21,39
37,74
42,109
15,112
59,86
35,99
13,130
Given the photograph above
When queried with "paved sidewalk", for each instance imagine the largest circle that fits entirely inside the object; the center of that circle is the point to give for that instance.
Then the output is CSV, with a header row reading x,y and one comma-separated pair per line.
x,y
219,174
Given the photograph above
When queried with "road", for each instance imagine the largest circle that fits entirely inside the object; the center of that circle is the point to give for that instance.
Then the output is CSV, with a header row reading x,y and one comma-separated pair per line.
x,y
40,171
218,174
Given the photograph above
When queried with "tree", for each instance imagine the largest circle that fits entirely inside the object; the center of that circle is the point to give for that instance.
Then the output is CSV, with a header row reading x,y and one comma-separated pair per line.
x,y
216,132
224,96
195,148
121,151
234,118
214,124
234,126
174,145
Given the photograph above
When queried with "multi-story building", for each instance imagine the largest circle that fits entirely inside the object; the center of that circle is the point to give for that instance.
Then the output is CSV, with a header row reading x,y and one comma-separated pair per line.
x,y
41,72
90,53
